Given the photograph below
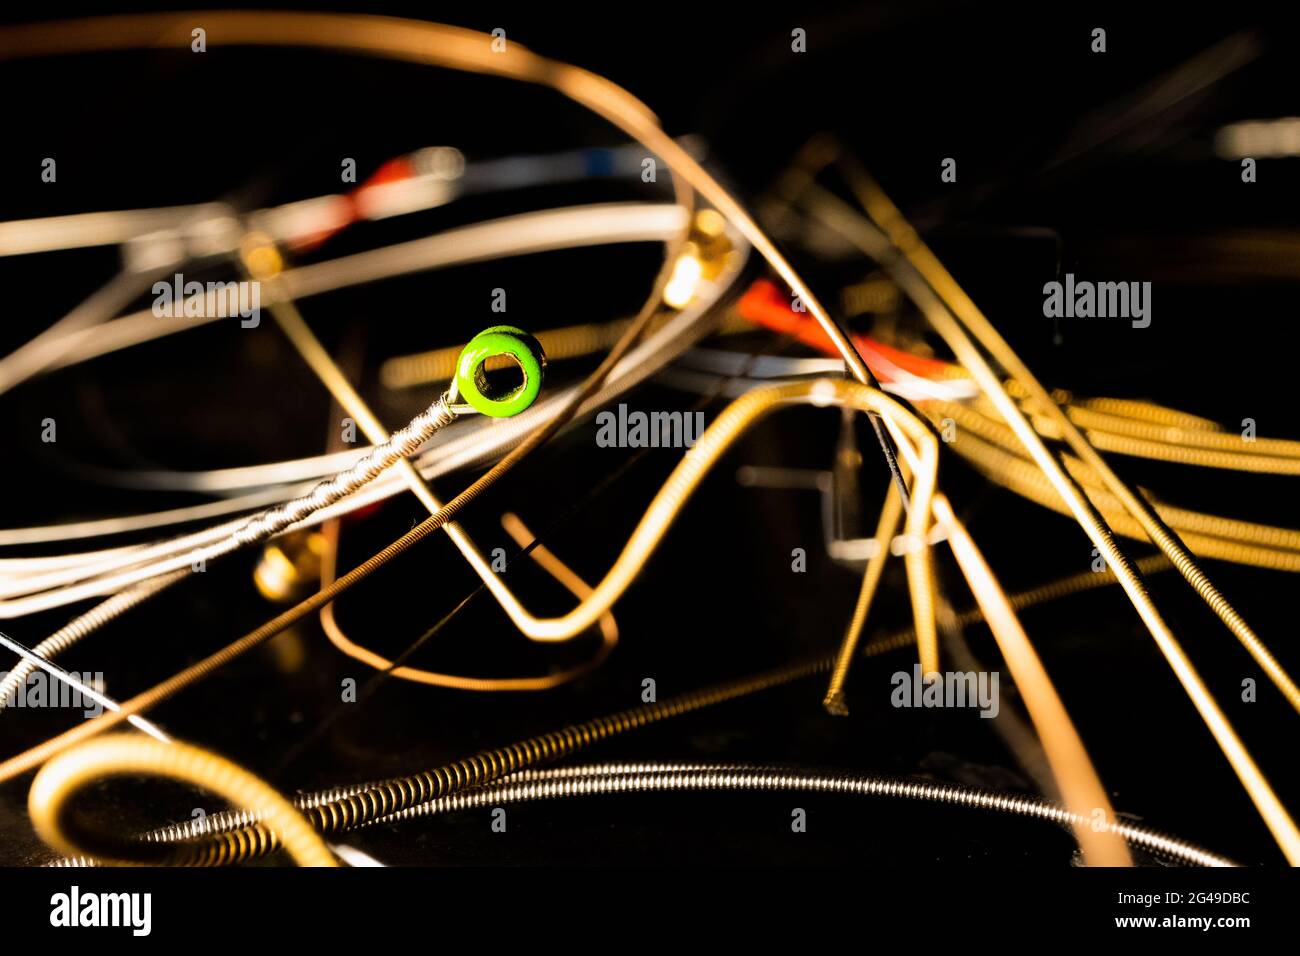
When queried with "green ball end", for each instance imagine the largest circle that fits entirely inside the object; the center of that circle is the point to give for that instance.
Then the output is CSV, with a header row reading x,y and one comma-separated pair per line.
x,y
471,381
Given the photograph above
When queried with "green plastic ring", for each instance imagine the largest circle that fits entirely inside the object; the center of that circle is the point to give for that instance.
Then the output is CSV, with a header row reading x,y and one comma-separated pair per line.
x,y
500,340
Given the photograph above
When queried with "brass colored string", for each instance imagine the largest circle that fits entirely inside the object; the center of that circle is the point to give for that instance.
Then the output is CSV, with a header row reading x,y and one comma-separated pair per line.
x,y
1213,536
1148,412
1091,420
1019,477
1171,437
1075,775
890,513
1243,457
1136,409
1052,591
544,558
120,754
1077,779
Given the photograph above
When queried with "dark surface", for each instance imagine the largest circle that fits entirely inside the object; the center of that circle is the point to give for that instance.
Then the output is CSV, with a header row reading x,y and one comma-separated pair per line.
x,y
904,86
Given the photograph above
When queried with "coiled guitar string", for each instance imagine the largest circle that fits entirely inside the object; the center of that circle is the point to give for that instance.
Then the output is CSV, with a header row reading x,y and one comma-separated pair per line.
x,y
121,754
598,779
359,806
